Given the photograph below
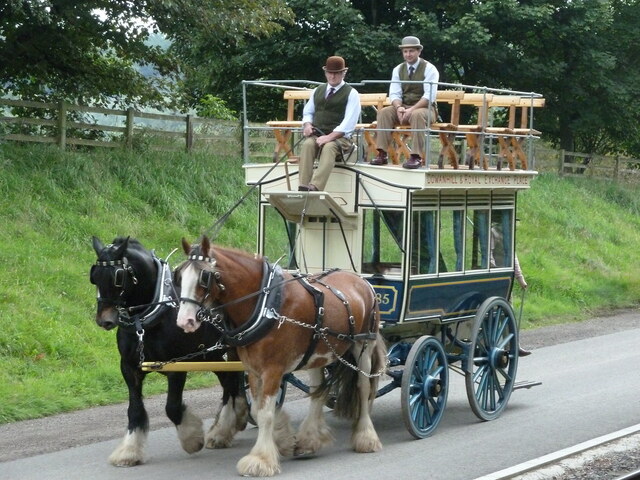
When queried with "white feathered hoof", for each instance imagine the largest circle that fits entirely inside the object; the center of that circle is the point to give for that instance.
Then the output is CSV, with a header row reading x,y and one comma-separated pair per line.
x,y
190,432
225,426
130,451
366,442
218,437
256,466
284,435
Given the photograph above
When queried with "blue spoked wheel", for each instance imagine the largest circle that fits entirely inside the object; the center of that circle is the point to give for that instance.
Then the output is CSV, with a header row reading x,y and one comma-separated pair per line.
x,y
425,384
490,371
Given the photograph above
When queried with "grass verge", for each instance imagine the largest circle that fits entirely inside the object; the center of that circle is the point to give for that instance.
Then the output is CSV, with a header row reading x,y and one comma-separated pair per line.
x,y
577,243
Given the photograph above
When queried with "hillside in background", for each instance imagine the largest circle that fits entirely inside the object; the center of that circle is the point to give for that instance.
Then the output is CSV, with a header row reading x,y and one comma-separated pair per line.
x,y
577,242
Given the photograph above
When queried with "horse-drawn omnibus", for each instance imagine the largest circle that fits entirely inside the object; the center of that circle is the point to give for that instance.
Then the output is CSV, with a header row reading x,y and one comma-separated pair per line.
x,y
421,260
436,243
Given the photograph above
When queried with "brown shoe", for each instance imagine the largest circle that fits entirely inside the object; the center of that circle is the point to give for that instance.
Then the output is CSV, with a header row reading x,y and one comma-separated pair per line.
x,y
303,188
381,158
523,352
414,161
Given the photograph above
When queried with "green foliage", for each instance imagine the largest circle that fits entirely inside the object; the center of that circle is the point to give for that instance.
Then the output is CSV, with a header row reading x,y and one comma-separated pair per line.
x,y
94,51
580,55
66,50
214,107
54,357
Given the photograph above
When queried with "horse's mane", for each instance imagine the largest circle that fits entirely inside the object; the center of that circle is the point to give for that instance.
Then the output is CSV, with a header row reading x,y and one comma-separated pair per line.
x,y
134,247
132,241
220,251
230,251
241,257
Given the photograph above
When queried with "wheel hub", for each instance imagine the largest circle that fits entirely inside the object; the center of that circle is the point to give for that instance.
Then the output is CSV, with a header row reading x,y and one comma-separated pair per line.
x,y
499,358
432,387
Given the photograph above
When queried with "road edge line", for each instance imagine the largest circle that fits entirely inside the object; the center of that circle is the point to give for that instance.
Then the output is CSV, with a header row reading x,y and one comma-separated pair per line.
x,y
536,463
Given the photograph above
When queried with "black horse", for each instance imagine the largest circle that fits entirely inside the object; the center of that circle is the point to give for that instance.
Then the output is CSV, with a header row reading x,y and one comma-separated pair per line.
x,y
136,294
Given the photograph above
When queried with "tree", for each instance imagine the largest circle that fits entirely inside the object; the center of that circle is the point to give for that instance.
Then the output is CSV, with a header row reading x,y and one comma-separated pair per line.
x,y
580,55
91,50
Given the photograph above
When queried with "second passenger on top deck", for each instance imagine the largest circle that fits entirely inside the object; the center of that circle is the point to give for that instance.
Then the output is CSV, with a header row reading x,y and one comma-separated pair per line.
x,y
412,104
329,119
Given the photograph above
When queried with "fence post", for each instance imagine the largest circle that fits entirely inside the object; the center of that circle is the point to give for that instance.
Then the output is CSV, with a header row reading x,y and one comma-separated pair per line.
x,y
128,134
62,125
561,162
189,135
616,168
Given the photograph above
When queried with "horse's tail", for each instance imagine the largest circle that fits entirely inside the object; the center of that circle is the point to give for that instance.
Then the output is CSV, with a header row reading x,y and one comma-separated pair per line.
x,y
340,386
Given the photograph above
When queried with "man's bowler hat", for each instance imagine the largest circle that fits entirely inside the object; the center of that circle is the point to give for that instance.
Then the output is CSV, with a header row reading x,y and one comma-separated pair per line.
x,y
411,42
334,65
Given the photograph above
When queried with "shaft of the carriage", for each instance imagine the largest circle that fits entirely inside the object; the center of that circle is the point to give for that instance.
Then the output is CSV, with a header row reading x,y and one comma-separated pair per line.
x,y
192,367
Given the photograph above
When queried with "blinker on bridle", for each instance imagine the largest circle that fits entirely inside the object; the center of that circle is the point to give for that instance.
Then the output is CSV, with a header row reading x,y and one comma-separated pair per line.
x,y
121,268
205,279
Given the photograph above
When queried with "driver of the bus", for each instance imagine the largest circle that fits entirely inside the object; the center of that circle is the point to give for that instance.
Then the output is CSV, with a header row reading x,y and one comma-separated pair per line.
x,y
329,119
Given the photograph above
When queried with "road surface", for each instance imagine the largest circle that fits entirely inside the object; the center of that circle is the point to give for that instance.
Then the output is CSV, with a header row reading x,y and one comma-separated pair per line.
x,y
590,374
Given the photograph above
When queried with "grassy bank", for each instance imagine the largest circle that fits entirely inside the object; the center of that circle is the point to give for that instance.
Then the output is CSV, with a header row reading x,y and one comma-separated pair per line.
x,y
577,241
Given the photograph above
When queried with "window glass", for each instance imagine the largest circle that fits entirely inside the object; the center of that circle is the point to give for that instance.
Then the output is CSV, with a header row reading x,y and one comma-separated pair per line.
x,y
501,238
451,231
382,243
477,239
424,242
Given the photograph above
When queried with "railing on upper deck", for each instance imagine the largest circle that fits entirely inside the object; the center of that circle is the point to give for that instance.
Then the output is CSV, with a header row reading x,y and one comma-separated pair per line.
x,y
478,126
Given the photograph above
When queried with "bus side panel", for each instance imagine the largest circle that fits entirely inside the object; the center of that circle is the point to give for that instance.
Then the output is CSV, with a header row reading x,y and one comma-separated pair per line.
x,y
451,298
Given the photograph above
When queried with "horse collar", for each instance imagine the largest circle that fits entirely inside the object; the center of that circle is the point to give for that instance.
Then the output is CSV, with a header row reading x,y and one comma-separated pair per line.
x,y
264,315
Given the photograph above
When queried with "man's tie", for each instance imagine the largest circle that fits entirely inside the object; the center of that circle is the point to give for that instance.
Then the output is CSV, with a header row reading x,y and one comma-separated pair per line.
x,y
411,69
331,92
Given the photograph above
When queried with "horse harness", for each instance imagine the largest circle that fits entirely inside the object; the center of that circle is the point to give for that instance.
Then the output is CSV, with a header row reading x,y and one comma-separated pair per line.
x,y
265,314
164,297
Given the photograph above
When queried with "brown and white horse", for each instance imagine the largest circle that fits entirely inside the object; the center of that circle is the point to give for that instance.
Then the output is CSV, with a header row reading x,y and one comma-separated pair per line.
x,y
281,323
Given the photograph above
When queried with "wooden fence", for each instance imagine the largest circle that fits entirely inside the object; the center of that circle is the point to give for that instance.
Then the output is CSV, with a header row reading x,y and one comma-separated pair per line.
x,y
576,164
66,124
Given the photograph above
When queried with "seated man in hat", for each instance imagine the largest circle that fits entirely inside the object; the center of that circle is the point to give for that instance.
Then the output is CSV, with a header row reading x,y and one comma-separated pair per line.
x,y
411,103
329,119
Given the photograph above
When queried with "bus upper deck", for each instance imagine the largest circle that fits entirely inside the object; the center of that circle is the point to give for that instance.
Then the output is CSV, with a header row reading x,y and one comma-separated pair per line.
x,y
434,242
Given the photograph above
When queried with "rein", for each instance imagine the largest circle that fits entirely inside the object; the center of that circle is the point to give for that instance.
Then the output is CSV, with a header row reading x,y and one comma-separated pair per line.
x,y
215,228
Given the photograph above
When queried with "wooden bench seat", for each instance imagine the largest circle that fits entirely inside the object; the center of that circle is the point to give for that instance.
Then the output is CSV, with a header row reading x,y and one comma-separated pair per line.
x,y
511,137
283,129
399,148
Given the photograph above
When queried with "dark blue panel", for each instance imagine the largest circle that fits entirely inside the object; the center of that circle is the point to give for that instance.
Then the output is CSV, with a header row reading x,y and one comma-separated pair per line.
x,y
446,298
454,297
389,293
